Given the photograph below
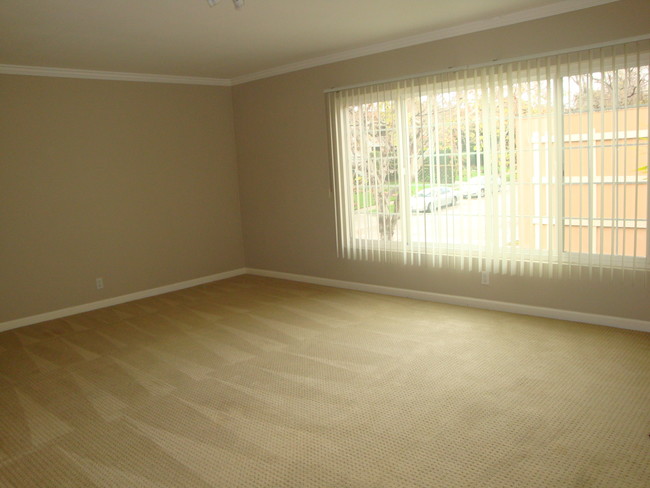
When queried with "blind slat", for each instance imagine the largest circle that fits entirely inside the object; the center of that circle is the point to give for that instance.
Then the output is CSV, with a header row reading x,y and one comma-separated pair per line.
x,y
533,167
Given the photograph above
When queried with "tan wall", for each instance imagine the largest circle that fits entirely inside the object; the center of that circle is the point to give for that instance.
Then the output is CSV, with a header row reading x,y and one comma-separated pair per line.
x,y
133,182
287,210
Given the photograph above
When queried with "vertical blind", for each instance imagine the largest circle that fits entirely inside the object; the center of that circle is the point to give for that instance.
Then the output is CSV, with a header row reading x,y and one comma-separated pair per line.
x,y
535,167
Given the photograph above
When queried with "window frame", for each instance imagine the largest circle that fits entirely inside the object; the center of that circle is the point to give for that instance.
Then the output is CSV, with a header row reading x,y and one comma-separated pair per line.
x,y
408,244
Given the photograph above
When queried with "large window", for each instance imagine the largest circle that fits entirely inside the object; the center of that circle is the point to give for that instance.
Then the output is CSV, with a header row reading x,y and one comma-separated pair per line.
x,y
531,167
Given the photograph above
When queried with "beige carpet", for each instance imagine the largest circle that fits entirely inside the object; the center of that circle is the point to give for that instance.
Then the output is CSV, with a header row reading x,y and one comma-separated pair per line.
x,y
255,382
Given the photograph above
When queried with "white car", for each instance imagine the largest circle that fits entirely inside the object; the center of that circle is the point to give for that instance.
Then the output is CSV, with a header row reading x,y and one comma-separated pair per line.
x,y
475,187
433,198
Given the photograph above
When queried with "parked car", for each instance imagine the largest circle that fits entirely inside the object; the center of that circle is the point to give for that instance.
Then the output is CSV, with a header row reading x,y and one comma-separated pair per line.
x,y
433,198
475,187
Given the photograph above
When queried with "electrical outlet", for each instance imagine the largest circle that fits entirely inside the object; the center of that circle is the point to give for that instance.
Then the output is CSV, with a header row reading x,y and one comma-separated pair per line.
x,y
100,283
485,277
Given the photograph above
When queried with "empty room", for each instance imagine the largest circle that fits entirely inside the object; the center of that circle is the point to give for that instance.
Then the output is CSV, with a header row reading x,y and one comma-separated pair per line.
x,y
324,243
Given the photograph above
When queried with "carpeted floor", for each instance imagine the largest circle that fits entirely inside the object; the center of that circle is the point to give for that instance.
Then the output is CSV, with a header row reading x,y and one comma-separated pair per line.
x,y
256,382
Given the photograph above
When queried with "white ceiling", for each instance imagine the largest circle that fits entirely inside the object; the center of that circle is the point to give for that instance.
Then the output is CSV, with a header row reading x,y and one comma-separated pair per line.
x,y
189,38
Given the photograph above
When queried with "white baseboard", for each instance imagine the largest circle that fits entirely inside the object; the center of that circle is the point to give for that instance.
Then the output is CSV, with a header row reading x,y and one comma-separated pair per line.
x,y
553,313
607,320
87,307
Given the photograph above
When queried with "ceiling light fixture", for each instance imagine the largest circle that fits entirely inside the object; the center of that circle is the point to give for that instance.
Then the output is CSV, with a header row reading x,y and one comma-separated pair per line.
x,y
238,3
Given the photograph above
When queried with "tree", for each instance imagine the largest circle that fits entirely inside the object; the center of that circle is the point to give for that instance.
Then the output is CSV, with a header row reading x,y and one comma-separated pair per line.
x,y
607,90
373,144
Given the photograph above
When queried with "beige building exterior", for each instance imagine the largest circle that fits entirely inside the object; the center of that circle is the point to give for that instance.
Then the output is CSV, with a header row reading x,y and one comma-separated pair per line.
x,y
616,206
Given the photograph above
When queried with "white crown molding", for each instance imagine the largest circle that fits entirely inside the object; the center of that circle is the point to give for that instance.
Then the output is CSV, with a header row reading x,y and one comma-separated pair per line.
x,y
12,69
552,313
109,302
436,35
468,28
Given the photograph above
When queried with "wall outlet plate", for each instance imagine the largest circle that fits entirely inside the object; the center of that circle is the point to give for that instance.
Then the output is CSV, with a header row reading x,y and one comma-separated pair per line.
x,y
485,277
